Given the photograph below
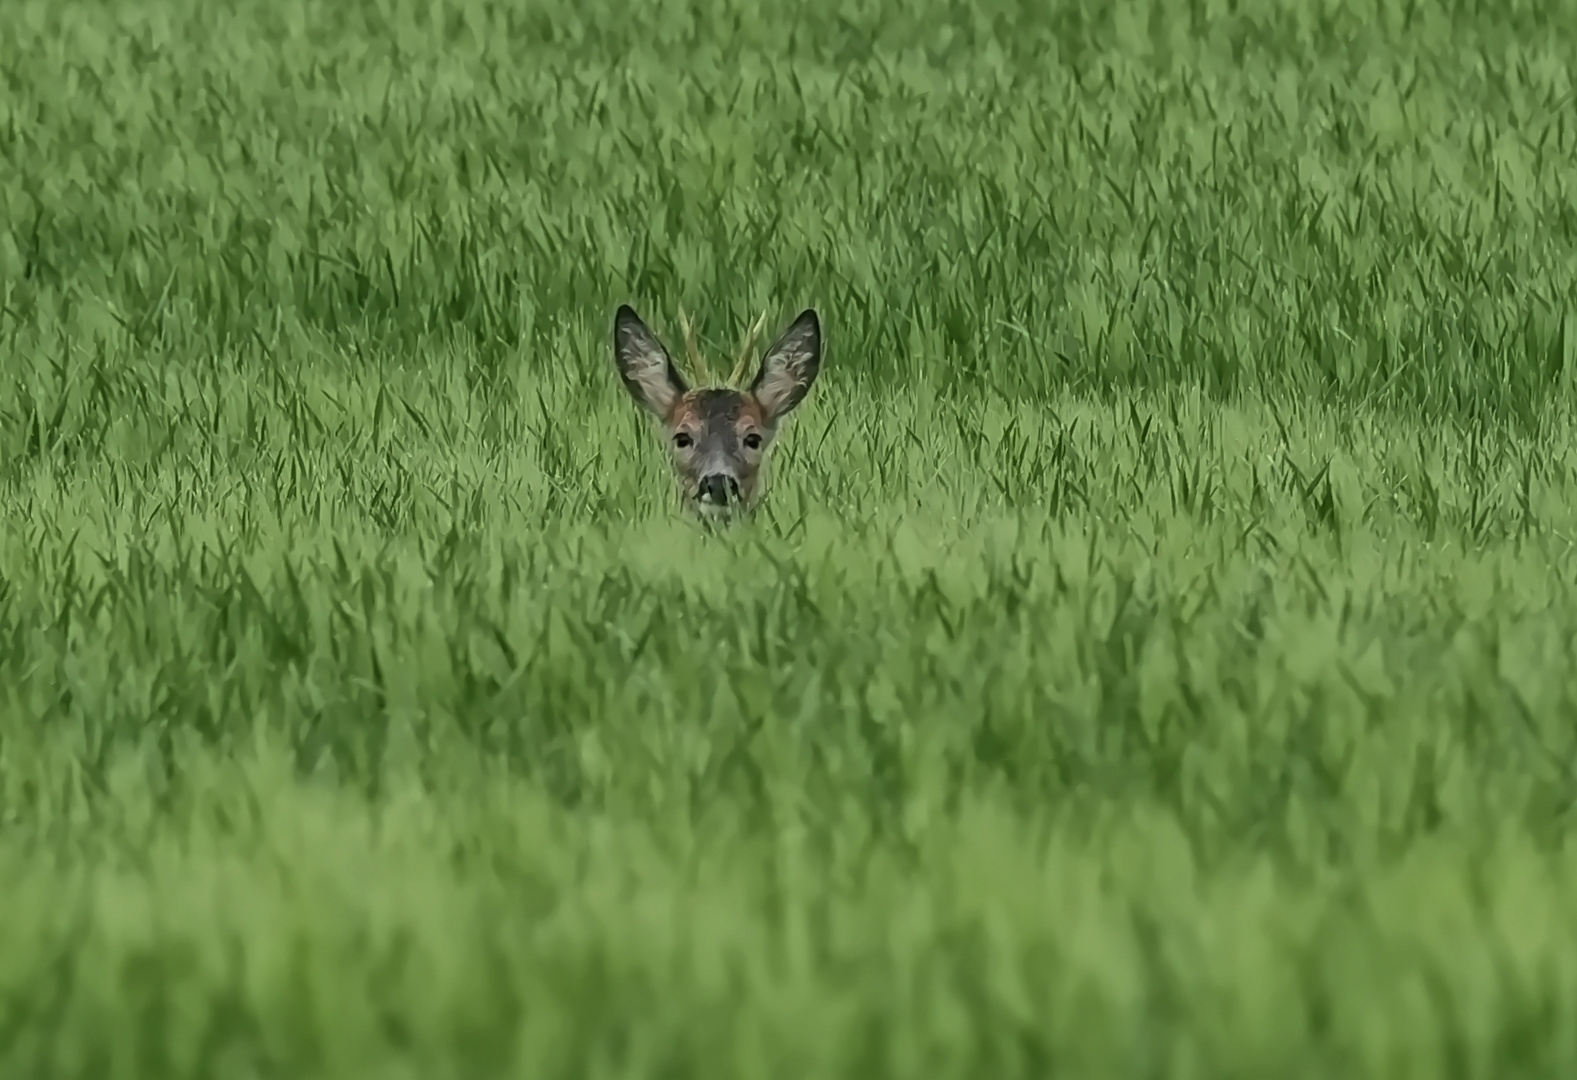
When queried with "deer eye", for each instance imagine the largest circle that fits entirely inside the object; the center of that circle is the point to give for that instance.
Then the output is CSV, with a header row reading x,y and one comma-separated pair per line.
x,y
682,440
753,441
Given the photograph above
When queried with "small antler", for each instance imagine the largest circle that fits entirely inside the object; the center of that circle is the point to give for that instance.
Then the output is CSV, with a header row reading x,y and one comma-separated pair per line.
x,y
742,365
698,369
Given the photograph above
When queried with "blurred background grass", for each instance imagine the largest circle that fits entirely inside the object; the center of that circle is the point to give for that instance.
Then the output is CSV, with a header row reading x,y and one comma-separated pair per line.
x,y
1153,659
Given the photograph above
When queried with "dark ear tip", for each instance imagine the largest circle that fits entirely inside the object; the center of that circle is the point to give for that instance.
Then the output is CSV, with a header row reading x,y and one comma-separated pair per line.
x,y
627,323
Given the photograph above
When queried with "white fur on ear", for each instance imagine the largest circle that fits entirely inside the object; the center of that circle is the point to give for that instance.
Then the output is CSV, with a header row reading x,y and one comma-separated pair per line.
x,y
644,364
789,366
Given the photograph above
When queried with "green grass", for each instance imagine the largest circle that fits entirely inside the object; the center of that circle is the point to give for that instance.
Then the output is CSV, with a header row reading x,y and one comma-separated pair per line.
x,y
1154,658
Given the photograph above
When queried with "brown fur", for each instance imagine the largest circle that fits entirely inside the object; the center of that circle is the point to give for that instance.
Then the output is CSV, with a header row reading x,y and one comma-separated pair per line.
x,y
718,436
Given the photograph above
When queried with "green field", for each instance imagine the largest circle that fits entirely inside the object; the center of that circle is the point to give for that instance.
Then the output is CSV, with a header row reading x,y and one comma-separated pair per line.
x,y
1156,656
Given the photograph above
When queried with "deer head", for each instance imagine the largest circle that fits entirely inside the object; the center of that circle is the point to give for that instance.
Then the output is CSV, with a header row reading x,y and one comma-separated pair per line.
x,y
718,435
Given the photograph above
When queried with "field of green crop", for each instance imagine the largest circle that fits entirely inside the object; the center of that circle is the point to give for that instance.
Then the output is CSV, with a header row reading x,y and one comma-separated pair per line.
x,y
1156,656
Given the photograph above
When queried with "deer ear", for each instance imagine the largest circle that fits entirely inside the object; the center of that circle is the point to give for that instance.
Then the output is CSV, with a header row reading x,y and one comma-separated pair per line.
x,y
644,364
789,367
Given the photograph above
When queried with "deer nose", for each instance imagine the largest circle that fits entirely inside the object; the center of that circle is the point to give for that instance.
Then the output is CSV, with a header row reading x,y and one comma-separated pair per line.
x,y
718,488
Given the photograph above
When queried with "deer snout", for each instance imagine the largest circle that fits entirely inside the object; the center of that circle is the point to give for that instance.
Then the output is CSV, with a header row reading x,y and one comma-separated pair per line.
x,y
719,489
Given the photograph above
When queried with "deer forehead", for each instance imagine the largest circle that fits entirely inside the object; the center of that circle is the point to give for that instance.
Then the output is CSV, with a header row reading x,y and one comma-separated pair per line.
x,y
717,411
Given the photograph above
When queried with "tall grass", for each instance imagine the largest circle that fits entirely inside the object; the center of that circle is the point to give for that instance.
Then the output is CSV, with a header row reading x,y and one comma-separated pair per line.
x,y
1154,657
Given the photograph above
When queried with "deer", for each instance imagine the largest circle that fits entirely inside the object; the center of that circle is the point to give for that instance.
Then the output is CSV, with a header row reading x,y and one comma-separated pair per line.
x,y
718,435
